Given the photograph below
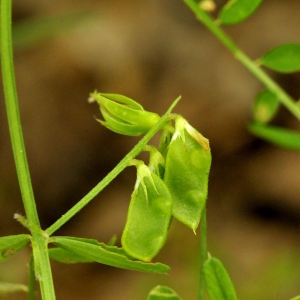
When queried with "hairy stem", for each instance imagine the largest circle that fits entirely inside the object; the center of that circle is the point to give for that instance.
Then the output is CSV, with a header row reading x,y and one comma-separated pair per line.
x,y
113,173
263,77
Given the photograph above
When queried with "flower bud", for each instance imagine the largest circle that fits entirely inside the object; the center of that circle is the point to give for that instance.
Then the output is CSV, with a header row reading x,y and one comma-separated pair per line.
x,y
124,115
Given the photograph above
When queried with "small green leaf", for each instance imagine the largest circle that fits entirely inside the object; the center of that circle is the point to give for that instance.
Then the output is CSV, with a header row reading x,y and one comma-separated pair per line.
x,y
10,244
218,282
93,251
187,167
296,298
149,216
265,107
161,292
10,288
284,138
284,58
235,11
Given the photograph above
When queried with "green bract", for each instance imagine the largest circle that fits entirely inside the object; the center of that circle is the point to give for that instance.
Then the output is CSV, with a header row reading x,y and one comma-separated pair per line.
x,y
156,161
123,115
149,215
187,168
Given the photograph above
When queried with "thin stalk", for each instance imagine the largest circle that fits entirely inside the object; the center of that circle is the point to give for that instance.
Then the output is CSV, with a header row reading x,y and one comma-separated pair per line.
x,y
39,239
13,115
203,254
262,76
140,146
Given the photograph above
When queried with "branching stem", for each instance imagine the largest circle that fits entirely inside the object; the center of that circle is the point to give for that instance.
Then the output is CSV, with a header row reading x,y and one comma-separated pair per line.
x,y
113,173
262,76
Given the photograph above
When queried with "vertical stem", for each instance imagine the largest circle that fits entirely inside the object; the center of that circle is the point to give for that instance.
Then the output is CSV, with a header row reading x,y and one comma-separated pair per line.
x,y
39,239
203,254
13,115
42,265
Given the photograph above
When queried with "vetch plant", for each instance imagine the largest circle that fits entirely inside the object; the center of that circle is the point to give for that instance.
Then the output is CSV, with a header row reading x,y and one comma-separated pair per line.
x,y
150,200
172,185
175,185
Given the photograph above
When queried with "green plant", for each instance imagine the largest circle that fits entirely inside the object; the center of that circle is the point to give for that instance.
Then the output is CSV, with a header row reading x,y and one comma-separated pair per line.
x,y
172,185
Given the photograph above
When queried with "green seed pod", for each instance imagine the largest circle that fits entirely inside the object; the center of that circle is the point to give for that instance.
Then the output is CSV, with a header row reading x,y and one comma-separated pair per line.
x,y
187,168
161,292
149,216
123,115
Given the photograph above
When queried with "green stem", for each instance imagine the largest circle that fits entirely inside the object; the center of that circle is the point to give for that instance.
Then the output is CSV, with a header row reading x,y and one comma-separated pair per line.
x,y
13,115
263,77
113,173
39,239
42,265
203,254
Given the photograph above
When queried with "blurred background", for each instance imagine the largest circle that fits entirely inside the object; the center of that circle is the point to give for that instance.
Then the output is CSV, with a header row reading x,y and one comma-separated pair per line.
x,y
152,51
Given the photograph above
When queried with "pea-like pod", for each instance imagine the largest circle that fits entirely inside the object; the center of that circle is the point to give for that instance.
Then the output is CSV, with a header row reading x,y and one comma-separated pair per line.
x,y
187,167
149,216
